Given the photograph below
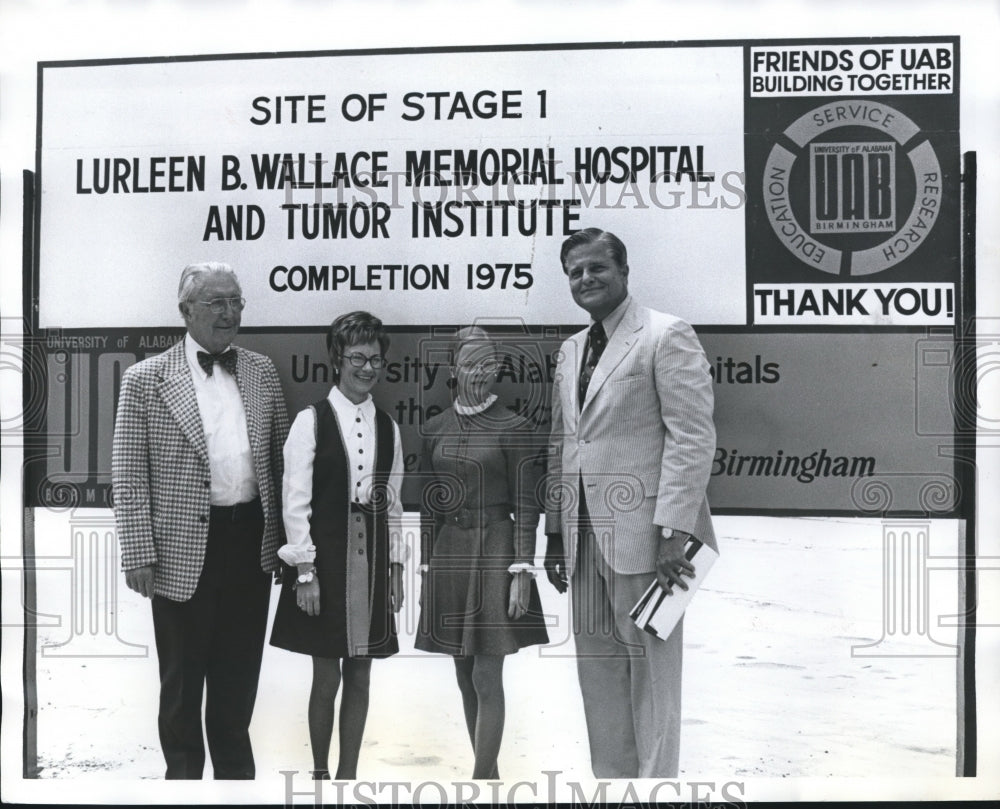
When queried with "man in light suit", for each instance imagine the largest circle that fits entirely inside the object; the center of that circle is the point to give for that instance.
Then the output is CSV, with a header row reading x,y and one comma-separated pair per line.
x,y
196,475
629,462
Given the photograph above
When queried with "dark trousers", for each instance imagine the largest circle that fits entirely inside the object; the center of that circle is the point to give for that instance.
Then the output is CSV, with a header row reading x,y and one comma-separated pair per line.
x,y
213,644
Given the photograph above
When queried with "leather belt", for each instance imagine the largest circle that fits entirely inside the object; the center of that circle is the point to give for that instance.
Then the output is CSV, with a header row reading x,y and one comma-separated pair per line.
x,y
474,517
251,510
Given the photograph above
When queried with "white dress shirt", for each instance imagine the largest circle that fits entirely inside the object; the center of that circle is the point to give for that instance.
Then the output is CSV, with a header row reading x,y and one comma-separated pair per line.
x,y
357,427
224,422
614,317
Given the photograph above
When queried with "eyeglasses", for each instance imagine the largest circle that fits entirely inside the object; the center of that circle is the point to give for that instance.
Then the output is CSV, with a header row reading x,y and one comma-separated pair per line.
x,y
359,360
218,305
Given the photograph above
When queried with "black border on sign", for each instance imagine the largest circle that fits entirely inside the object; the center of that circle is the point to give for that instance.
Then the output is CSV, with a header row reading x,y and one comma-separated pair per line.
x,y
547,46
748,137
958,473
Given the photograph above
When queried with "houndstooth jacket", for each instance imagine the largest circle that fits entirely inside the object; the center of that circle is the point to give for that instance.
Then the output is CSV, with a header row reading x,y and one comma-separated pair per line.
x,y
160,473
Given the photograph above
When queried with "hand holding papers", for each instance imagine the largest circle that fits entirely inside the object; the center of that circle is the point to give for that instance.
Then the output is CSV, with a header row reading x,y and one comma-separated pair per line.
x,y
659,610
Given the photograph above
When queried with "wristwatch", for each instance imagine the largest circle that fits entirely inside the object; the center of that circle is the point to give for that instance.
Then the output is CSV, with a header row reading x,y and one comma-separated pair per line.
x,y
305,578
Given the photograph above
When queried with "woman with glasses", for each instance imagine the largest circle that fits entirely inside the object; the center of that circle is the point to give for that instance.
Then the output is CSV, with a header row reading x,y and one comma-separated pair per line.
x,y
344,557
480,511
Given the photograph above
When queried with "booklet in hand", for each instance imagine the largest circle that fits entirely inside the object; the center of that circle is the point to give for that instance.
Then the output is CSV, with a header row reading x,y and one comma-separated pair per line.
x,y
658,611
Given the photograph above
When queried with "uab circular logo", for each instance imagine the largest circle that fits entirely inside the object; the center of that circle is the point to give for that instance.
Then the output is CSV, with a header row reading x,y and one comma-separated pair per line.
x,y
850,189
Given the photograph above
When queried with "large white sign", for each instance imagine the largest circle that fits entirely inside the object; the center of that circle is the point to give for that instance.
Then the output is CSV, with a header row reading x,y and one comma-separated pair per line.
x,y
427,187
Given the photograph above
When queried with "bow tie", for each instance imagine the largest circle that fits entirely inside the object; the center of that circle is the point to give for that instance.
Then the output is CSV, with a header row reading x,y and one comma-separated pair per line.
x,y
227,359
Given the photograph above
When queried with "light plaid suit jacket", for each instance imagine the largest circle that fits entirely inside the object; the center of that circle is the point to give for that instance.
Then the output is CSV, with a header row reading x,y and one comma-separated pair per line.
x,y
643,442
159,466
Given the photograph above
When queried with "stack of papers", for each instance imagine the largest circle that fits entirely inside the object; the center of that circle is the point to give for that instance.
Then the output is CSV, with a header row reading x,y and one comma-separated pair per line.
x,y
658,610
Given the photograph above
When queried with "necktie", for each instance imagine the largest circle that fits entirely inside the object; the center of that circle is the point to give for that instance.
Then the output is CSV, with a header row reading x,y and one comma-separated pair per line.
x,y
597,340
227,359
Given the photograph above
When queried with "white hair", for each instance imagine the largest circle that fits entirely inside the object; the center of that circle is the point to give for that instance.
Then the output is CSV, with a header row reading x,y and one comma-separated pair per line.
x,y
193,275
469,335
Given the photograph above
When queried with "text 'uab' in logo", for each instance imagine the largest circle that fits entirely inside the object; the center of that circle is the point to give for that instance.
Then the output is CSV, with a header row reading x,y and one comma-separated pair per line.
x,y
851,171
853,187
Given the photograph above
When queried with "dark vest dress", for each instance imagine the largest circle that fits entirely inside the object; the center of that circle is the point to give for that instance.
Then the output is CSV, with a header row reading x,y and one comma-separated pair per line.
x,y
352,555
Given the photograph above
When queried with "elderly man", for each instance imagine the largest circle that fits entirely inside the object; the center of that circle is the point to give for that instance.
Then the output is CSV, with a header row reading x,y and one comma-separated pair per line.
x,y
630,459
196,473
